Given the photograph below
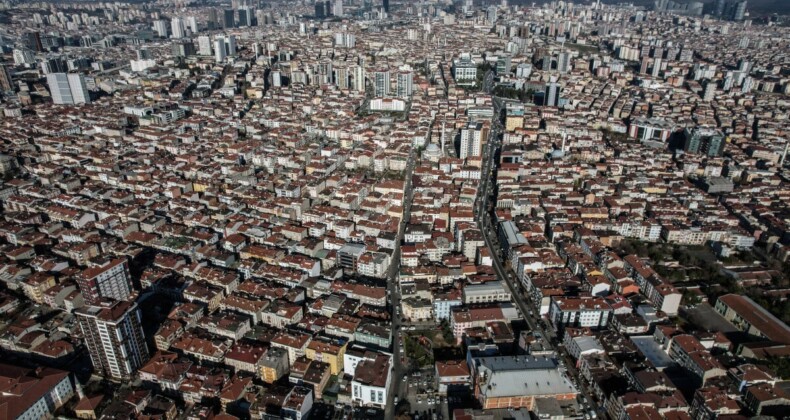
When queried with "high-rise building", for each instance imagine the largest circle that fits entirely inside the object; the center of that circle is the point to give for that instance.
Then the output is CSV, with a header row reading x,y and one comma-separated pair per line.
x,y
703,141
718,8
59,88
710,91
337,8
465,70
230,44
204,45
744,66
473,137
144,54
177,28
213,19
342,78
245,17
491,14
656,67
381,83
110,279
182,48
386,5
503,64
79,88
552,96
192,24
229,18
68,89
564,62
345,40
219,49
546,63
113,334
6,85
23,56
644,65
738,10
358,75
54,65
318,9
404,83
32,40
160,27
277,78
748,85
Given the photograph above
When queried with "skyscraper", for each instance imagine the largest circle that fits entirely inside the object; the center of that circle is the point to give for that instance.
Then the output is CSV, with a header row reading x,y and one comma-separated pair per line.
x,y
552,94
404,83
192,24
219,49
656,67
59,88
110,279
491,14
337,8
320,12
160,27
245,17
230,43
738,10
79,89
358,74
204,45
473,136
32,40
144,54
113,334
68,89
5,79
177,27
54,65
386,5
342,78
710,91
564,62
229,18
703,141
213,19
381,83
718,8
182,48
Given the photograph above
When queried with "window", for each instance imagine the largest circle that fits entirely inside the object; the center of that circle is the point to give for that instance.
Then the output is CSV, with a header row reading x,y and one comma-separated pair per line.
x,y
381,397
372,395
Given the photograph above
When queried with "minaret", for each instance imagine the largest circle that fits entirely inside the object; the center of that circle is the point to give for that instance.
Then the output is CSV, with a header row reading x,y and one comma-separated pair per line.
x,y
444,133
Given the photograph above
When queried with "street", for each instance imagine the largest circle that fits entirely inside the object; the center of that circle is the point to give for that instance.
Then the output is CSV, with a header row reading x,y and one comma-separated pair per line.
x,y
484,219
396,385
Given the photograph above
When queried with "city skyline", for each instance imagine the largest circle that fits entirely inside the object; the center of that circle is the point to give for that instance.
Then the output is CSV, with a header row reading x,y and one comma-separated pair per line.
x,y
380,209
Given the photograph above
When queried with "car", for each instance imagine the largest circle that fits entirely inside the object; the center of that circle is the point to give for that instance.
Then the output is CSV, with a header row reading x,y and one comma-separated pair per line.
x,y
593,414
396,399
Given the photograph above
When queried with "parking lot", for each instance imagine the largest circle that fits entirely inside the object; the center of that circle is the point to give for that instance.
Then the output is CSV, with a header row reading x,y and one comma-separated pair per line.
x,y
422,395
